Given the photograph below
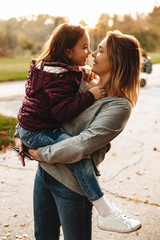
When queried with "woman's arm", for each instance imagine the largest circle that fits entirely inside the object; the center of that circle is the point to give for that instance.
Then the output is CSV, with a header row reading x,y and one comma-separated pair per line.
x,y
104,128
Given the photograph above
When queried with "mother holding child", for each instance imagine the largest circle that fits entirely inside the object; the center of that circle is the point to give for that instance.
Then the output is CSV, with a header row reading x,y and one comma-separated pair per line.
x,y
72,121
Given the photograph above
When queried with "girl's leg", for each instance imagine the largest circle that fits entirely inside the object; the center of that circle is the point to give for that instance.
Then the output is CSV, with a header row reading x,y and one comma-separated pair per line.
x,y
110,218
87,179
43,138
46,219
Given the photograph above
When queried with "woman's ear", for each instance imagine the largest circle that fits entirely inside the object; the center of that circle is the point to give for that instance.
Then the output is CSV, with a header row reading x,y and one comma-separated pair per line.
x,y
69,53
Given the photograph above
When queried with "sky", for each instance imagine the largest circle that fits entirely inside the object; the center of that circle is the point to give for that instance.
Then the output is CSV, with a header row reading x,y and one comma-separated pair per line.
x,y
87,10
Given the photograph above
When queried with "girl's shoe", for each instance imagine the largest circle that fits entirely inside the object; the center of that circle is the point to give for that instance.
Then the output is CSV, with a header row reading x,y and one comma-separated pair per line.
x,y
118,222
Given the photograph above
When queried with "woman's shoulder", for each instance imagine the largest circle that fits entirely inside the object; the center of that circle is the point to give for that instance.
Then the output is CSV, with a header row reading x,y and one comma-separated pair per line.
x,y
123,101
116,105
116,101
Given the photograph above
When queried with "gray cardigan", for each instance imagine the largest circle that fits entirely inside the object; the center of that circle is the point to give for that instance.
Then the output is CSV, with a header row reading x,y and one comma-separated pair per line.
x,y
92,130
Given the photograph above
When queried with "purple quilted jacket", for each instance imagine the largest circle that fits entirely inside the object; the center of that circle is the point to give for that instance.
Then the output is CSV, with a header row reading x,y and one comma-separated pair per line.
x,y
51,97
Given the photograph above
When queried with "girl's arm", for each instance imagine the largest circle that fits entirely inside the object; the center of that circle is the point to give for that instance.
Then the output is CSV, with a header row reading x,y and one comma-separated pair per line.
x,y
88,74
64,104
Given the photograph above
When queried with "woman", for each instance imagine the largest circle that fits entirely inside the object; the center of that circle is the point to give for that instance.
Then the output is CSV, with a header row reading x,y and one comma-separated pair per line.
x,y
58,199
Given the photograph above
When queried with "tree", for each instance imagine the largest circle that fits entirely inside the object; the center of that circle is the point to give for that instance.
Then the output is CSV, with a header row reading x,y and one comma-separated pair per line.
x,y
154,25
30,34
8,40
100,30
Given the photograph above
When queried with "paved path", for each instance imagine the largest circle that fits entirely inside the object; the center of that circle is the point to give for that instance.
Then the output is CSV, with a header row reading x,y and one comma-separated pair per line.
x,y
130,172
11,95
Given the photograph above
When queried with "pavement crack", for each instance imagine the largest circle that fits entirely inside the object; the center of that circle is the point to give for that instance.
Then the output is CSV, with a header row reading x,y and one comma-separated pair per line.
x,y
126,167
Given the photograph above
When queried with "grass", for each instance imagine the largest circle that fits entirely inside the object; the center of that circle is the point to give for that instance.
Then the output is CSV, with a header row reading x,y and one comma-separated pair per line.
x,y
155,57
14,69
7,129
17,69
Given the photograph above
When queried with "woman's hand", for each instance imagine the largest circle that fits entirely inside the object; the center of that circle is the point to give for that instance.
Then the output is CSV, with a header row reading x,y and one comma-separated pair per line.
x,y
20,146
33,153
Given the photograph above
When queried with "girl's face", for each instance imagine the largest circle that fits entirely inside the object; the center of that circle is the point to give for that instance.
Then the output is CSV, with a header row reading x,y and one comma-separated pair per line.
x,y
101,63
79,53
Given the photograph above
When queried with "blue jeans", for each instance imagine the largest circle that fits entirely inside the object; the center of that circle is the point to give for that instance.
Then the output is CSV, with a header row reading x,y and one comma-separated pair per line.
x,y
84,169
41,138
55,205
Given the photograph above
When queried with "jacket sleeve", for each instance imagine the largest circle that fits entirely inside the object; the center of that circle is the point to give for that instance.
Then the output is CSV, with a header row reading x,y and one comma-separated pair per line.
x,y
64,104
103,129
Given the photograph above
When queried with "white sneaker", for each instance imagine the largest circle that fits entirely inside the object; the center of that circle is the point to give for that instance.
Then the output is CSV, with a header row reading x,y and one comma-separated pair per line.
x,y
118,222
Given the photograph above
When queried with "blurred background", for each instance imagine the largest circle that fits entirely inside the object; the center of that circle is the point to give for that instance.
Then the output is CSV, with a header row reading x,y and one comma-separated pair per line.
x,y
26,25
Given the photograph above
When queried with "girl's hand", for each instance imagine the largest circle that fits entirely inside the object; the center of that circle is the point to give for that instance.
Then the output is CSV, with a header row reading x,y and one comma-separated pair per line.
x,y
33,153
20,146
88,74
98,92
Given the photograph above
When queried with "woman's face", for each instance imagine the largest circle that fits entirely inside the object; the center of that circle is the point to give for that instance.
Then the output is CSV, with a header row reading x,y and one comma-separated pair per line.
x,y
101,63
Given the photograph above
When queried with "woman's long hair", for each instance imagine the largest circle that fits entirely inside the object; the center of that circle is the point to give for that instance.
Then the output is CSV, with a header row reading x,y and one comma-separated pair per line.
x,y
125,56
64,37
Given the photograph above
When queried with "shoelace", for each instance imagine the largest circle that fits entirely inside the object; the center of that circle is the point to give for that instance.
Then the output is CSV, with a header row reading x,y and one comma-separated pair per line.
x,y
121,216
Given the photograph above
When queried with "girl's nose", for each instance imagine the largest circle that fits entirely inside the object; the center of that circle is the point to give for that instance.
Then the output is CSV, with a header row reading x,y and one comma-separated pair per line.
x,y
94,54
89,51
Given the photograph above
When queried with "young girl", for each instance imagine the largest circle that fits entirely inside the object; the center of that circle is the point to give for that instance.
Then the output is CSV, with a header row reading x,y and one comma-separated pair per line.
x,y
51,98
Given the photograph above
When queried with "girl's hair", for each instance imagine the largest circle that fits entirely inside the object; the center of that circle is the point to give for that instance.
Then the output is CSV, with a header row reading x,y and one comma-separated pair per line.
x,y
125,56
65,36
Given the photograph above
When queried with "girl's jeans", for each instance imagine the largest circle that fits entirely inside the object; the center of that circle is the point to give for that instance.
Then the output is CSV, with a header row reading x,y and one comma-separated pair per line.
x,y
84,169
56,205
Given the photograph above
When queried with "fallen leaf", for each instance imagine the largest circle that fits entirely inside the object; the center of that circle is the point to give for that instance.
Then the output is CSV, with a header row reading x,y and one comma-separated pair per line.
x,y
6,225
139,173
25,235
146,202
136,199
121,180
19,236
136,214
113,154
22,224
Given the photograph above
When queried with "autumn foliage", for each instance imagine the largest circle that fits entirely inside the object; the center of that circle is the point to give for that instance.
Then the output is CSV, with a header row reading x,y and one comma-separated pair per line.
x,y
20,35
